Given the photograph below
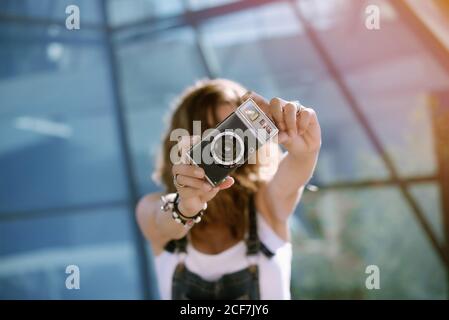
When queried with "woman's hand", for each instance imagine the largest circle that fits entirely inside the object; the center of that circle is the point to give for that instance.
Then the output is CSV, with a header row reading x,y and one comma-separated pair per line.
x,y
300,134
194,191
299,130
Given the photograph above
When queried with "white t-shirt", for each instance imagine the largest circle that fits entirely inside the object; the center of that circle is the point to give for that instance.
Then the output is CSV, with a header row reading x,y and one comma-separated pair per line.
x,y
274,272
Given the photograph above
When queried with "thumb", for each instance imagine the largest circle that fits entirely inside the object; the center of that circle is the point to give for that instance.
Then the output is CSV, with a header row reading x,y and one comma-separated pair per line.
x,y
227,183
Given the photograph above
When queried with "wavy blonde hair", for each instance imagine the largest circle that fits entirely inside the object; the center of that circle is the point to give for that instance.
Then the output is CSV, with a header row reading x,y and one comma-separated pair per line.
x,y
200,102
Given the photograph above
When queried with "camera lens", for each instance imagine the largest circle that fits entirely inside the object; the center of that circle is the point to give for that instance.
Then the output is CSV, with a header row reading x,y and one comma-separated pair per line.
x,y
227,149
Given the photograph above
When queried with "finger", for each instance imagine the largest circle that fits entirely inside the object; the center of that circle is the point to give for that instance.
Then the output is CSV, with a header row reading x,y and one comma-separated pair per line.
x,y
247,95
193,182
207,196
314,124
290,118
282,137
195,140
304,119
188,170
187,193
276,106
227,183
184,145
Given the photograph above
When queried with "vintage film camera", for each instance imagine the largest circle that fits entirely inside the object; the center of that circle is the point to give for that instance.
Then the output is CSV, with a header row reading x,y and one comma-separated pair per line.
x,y
232,142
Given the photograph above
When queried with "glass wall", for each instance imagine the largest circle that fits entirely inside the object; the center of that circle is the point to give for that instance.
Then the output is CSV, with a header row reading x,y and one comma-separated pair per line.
x,y
64,196
82,113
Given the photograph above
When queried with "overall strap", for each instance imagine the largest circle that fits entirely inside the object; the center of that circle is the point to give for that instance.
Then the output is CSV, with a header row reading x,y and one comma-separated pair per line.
x,y
179,245
182,244
253,243
170,246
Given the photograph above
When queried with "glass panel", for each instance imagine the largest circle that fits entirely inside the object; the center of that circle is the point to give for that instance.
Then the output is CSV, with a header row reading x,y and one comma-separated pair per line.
x,y
434,15
203,4
153,72
59,141
278,60
339,234
429,198
35,252
125,11
90,10
389,72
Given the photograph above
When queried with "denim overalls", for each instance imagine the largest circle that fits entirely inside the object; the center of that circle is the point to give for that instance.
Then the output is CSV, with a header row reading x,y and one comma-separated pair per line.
x,y
243,284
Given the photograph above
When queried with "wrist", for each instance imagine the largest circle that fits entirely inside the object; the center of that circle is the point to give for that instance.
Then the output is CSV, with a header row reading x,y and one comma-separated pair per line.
x,y
184,215
188,211
305,155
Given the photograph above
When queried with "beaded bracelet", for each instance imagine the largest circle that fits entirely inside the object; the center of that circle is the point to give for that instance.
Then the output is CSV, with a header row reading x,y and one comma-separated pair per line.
x,y
180,218
177,215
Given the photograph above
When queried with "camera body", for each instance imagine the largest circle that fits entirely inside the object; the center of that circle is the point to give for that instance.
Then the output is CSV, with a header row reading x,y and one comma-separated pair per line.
x,y
232,142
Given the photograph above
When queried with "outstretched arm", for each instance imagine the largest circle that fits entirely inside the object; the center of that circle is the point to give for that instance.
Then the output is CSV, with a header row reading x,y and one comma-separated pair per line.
x,y
300,134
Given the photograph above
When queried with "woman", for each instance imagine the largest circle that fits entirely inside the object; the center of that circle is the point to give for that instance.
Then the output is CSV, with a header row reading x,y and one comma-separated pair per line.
x,y
240,248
